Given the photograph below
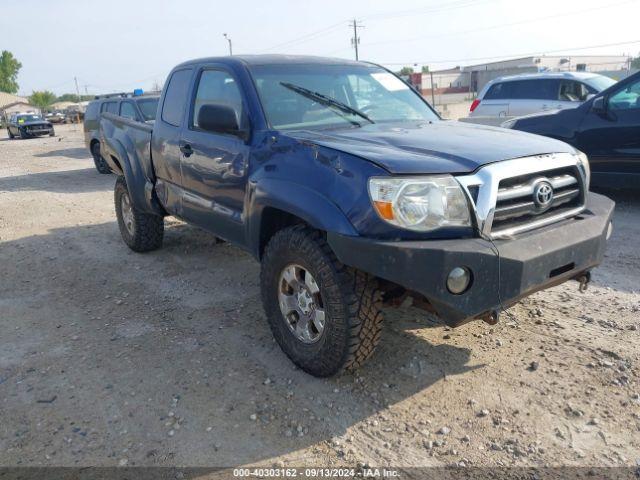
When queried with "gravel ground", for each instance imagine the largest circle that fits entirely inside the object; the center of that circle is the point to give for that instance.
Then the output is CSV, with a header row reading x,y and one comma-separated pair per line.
x,y
108,357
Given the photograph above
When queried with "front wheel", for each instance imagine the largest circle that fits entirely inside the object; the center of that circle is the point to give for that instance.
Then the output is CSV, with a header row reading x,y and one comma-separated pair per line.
x,y
325,316
142,232
11,135
101,164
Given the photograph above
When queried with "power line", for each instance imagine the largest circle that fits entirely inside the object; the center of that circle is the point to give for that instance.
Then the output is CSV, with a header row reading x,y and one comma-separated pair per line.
x,y
308,36
432,9
504,25
528,54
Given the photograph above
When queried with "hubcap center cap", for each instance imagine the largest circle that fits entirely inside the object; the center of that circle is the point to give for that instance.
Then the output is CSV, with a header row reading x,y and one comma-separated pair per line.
x,y
305,302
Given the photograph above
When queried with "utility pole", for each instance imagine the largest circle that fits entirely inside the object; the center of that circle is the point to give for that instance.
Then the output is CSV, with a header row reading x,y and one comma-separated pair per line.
x,y
228,40
75,79
433,96
355,40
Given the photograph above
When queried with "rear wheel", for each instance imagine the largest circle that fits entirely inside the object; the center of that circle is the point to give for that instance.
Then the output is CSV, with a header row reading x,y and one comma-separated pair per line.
x,y
11,135
142,232
101,165
325,316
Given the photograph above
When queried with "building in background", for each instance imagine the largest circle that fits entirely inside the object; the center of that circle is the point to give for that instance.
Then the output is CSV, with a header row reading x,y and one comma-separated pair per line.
x,y
10,104
438,82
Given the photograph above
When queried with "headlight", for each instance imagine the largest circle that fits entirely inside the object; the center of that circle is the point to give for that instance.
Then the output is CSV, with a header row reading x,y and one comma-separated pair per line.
x,y
584,165
420,203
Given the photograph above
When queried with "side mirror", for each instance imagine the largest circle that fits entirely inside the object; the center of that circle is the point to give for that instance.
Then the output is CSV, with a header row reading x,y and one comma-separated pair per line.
x,y
599,105
218,119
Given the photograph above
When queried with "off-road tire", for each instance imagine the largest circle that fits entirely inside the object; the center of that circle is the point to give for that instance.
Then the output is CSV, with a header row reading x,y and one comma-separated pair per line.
x,y
353,322
148,229
101,165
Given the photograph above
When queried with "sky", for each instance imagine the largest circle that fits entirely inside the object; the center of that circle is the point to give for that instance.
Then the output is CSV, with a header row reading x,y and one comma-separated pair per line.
x,y
119,45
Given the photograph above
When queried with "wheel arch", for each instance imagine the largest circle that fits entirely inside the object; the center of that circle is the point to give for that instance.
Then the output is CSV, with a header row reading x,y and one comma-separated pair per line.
x,y
278,204
140,189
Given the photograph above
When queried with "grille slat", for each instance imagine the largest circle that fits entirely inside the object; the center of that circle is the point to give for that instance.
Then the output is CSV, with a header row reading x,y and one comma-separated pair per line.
x,y
519,199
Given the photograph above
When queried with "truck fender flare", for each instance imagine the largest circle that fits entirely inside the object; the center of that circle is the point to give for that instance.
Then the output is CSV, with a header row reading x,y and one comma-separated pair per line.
x,y
309,205
140,189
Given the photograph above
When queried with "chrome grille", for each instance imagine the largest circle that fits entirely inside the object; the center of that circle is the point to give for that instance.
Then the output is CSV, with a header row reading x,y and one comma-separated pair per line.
x,y
502,193
517,197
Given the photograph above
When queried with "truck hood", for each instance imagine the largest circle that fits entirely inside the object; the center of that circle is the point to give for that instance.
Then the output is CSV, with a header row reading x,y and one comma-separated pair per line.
x,y
438,147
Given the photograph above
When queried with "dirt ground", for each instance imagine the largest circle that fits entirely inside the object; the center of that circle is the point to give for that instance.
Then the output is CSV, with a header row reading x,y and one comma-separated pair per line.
x,y
108,357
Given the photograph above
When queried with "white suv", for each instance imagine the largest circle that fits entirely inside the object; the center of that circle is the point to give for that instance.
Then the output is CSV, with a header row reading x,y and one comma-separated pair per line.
x,y
527,93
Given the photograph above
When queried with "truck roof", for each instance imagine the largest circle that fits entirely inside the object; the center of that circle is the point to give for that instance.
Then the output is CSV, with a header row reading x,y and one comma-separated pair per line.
x,y
272,59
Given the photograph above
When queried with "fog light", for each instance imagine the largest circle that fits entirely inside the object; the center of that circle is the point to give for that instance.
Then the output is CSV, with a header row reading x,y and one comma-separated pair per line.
x,y
458,280
609,230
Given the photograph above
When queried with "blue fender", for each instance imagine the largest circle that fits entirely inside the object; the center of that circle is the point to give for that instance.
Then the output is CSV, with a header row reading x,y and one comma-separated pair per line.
x,y
139,186
296,199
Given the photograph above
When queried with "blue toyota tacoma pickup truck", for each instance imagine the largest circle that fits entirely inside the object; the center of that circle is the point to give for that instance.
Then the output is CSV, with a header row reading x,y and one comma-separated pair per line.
x,y
353,193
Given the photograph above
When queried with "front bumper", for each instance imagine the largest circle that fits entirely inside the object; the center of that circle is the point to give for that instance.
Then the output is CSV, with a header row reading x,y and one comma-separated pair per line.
x,y
503,272
38,131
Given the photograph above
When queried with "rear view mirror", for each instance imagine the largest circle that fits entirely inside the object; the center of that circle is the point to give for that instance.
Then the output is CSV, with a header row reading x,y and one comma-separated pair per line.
x,y
218,119
599,105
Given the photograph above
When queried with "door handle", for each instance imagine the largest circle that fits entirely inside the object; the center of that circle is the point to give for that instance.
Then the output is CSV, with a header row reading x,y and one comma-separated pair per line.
x,y
186,149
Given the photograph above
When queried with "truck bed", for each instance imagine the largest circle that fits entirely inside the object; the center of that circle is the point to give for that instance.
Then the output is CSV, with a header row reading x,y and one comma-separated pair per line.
x,y
126,147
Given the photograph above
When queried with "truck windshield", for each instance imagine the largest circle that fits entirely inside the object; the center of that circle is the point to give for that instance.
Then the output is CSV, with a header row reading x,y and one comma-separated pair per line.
x,y
28,118
148,108
368,90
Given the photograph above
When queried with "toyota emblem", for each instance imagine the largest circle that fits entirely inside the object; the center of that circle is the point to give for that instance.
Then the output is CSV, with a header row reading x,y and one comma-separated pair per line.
x,y
543,195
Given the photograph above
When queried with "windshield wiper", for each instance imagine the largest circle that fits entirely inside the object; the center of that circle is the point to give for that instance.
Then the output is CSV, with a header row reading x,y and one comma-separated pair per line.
x,y
325,100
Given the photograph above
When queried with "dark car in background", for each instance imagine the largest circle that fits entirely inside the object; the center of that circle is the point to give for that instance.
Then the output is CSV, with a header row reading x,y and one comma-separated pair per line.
x,y
606,128
29,125
137,108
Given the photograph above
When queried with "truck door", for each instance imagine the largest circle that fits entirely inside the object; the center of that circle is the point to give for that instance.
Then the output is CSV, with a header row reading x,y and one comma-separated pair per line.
x,y
611,137
165,141
214,165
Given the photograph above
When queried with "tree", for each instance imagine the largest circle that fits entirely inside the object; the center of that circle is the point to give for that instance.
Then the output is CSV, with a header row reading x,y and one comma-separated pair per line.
x,y
42,99
9,68
73,97
405,71
635,62
425,69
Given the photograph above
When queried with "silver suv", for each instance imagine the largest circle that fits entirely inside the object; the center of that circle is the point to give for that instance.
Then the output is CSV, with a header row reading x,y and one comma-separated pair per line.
x,y
527,93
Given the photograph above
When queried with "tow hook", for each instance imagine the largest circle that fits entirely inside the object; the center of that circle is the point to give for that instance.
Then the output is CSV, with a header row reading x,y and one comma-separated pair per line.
x,y
491,317
584,280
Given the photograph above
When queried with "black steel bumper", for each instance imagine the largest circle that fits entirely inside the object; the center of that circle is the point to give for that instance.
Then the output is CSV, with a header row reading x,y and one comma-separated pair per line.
x,y
503,272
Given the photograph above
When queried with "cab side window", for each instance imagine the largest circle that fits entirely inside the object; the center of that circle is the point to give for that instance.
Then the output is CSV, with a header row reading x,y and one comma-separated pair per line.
x,y
175,97
109,107
627,98
127,110
220,88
